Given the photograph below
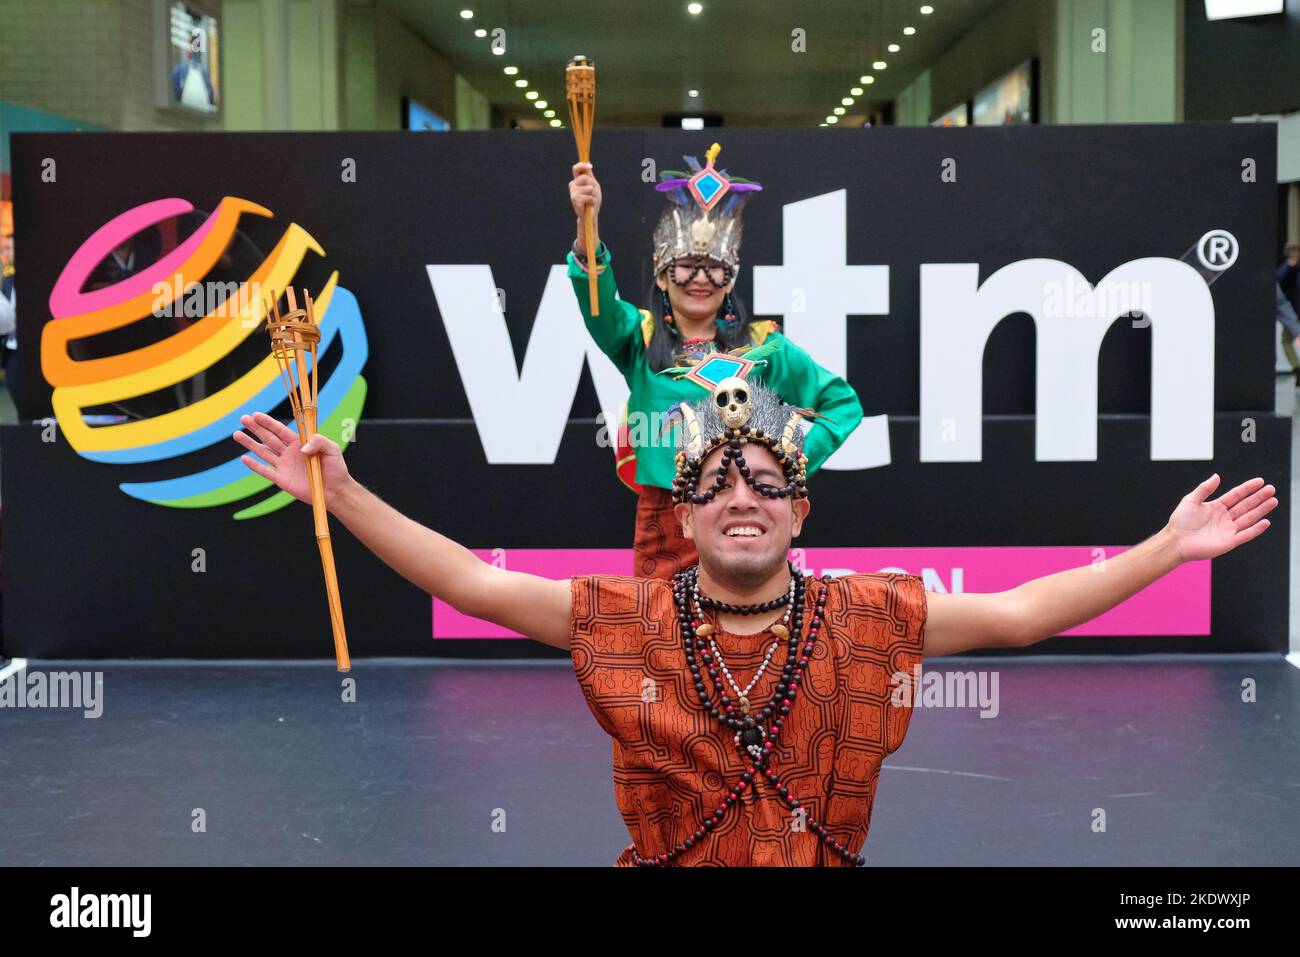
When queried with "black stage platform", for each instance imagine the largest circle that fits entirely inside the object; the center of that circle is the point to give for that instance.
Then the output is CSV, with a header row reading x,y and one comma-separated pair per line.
x,y
413,772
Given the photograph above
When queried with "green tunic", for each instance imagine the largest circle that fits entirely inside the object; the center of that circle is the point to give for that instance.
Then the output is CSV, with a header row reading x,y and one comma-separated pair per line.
x,y
782,365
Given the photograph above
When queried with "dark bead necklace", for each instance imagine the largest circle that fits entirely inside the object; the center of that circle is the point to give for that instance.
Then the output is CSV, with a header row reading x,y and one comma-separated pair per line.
x,y
748,730
704,601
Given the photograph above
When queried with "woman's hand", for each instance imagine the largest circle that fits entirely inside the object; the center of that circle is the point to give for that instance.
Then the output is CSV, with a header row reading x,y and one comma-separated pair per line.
x,y
286,462
584,193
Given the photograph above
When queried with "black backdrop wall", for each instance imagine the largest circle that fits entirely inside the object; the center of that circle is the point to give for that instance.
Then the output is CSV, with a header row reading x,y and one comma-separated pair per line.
x,y
1260,49
91,572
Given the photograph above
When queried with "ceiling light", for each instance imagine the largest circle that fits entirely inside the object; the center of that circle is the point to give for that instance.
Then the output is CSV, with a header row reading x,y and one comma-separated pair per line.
x,y
894,48
693,93
856,91
540,104
847,101
694,9
879,65
531,94
908,31
467,14
838,111
555,122
498,51
521,83
480,33
832,119
927,10
868,80
549,113
511,70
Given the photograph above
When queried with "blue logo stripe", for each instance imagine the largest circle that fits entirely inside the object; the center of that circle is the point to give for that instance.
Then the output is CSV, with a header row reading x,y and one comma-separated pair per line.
x,y
219,430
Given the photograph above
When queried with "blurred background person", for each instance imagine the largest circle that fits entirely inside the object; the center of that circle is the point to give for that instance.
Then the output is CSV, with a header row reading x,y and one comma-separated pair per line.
x,y
1286,316
1288,305
8,318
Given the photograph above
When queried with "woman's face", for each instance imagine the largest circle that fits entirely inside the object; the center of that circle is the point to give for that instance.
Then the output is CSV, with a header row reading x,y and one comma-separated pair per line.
x,y
699,300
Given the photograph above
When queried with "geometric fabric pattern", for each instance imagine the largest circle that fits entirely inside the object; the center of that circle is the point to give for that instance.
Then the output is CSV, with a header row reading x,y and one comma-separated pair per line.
x,y
674,764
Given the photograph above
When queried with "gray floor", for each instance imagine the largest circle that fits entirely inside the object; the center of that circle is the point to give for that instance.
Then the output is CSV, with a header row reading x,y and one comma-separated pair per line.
x,y
417,769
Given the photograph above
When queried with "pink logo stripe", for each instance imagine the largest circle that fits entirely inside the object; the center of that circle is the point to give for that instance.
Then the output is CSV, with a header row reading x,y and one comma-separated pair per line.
x,y
67,299
1178,604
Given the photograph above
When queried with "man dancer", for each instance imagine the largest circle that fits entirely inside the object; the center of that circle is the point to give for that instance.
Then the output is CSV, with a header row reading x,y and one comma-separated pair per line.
x,y
783,768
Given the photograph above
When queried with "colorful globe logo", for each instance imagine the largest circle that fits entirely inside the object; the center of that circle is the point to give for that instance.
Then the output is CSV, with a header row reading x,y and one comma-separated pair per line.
x,y
175,363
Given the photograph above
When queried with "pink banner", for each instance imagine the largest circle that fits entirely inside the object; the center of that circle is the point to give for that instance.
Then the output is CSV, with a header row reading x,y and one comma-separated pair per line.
x,y
1178,604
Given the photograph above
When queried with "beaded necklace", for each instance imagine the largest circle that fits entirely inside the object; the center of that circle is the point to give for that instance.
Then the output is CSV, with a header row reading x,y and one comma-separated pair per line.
x,y
753,742
779,630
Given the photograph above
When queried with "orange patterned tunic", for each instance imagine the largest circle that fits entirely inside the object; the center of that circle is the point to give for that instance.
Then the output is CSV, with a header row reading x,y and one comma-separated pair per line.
x,y
674,763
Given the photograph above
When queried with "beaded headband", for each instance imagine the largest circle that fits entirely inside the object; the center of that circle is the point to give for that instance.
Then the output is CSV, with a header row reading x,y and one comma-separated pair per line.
x,y
739,412
704,216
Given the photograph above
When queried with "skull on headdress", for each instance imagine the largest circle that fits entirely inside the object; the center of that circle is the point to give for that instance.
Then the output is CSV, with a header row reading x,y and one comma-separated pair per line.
x,y
732,398
740,412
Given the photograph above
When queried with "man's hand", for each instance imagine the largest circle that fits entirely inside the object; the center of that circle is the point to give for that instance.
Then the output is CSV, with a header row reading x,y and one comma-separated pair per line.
x,y
1202,529
1197,530
531,605
281,450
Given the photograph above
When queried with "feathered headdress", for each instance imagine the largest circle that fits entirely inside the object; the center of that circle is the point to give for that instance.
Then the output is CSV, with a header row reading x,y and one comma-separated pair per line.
x,y
704,216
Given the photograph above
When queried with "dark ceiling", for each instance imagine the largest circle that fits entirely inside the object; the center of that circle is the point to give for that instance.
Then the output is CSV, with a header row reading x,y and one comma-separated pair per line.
x,y
737,53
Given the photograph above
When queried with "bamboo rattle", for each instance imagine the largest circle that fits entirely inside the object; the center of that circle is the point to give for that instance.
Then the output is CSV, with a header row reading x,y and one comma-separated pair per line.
x,y
294,337
580,89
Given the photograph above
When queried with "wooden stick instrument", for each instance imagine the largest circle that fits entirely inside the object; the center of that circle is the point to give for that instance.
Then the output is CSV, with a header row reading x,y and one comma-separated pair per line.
x,y
580,89
294,337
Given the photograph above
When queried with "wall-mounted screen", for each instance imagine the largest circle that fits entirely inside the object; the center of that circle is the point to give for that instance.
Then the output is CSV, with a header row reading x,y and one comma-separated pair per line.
x,y
1008,101
188,61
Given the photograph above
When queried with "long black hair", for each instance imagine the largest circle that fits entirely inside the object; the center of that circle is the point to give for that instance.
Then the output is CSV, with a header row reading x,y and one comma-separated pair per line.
x,y
666,341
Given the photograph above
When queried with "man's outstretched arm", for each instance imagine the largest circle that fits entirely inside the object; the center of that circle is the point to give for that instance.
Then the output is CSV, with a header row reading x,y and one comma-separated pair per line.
x,y
1198,529
531,605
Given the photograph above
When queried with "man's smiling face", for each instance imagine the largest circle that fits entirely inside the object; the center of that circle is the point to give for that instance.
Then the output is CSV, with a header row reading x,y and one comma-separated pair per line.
x,y
743,537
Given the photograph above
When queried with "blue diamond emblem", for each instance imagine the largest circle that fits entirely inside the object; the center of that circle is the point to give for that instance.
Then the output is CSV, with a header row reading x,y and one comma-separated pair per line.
x,y
718,368
709,185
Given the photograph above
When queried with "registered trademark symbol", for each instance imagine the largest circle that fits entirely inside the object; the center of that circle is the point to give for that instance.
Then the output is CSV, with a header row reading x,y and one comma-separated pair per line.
x,y
1217,249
